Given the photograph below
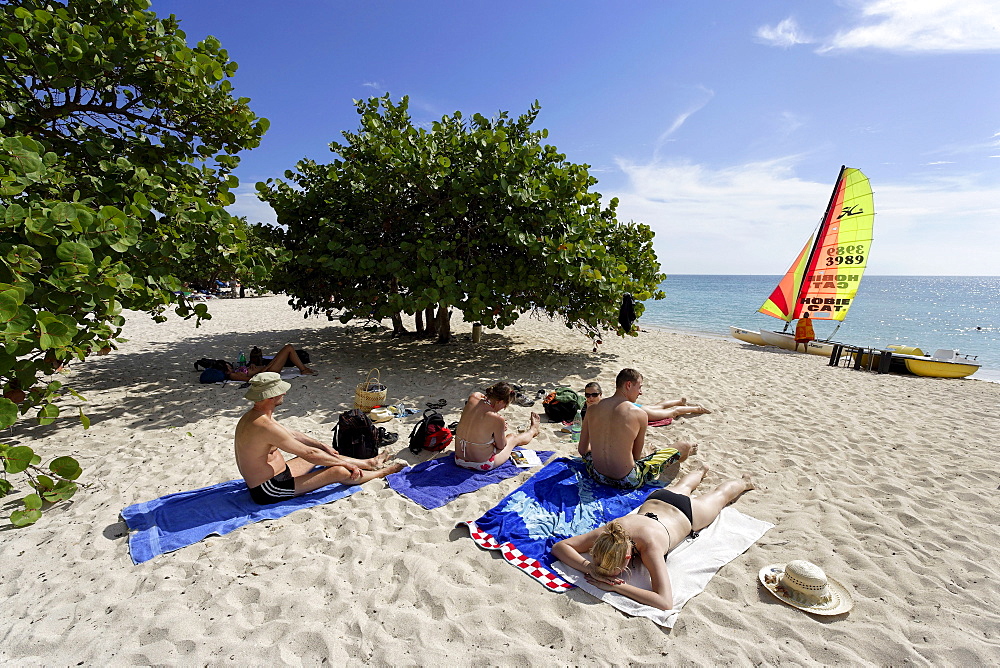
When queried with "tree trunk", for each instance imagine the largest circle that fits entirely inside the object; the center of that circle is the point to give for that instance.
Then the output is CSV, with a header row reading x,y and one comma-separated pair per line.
x,y
429,318
397,324
443,324
418,317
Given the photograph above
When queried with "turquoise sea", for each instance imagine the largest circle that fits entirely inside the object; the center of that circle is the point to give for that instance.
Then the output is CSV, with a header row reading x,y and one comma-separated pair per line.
x,y
931,312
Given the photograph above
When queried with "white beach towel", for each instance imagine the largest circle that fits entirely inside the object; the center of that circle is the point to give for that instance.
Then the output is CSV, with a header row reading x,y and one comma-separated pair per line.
x,y
692,564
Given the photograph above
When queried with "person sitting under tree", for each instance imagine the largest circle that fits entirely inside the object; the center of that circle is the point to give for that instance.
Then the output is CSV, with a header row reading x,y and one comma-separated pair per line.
x,y
260,440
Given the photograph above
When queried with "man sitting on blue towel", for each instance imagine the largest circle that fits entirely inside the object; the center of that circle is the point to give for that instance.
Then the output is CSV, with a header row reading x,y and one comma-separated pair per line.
x,y
613,436
260,440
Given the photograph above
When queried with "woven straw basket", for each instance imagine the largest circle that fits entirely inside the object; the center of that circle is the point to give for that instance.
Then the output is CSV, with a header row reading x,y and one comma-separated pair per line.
x,y
370,393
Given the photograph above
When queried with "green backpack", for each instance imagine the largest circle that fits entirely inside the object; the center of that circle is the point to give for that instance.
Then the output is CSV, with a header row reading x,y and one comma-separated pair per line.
x,y
563,404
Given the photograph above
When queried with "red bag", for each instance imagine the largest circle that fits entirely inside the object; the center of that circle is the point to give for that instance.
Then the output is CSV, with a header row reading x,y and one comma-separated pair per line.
x,y
430,433
438,438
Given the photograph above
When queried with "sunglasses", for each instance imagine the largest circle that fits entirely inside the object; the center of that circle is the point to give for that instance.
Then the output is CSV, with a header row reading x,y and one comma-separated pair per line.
x,y
591,394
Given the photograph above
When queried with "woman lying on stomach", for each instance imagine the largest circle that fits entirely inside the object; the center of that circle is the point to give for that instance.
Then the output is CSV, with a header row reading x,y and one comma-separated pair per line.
x,y
663,521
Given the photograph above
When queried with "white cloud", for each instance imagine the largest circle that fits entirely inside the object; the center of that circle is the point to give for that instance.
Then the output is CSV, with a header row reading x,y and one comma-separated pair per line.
x,y
706,96
964,150
923,25
754,218
788,123
248,204
785,34
373,84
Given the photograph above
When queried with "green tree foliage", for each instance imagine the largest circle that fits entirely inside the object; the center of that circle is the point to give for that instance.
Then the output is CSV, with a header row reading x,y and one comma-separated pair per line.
x,y
117,143
245,253
477,214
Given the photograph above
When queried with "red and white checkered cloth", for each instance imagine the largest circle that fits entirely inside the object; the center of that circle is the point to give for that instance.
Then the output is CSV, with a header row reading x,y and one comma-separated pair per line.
x,y
529,566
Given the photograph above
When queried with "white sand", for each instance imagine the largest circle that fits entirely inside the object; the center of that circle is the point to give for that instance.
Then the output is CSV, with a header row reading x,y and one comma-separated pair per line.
x,y
890,483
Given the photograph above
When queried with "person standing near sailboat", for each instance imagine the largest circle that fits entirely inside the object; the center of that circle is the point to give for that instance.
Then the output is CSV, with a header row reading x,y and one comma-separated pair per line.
x,y
804,332
825,275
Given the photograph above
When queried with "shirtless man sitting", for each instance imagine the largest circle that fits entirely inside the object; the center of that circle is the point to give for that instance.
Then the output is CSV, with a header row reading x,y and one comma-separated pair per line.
x,y
260,440
481,440
613,435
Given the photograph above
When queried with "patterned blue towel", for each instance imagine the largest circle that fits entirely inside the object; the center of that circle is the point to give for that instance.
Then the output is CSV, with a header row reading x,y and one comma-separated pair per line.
x,y
436,482
184,518
559,501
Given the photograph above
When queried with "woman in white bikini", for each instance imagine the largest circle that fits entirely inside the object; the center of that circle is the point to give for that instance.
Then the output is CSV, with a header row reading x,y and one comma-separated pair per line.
x,y
481,440
664,520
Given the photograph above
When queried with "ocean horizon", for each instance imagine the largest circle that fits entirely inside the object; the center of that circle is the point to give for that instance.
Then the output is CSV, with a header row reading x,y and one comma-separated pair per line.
x,y
930,312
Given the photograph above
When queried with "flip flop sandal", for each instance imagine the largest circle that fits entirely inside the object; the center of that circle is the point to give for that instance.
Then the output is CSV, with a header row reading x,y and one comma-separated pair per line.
x,y
437,404
386,437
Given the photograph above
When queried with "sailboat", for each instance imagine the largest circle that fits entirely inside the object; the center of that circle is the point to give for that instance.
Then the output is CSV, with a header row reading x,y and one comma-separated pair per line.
x,y
825,276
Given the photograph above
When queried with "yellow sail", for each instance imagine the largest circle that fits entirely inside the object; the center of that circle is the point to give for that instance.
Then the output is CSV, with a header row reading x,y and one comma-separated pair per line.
x,y
824,278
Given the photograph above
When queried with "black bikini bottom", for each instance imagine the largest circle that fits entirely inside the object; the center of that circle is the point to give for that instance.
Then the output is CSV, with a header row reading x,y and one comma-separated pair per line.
x,y
678,501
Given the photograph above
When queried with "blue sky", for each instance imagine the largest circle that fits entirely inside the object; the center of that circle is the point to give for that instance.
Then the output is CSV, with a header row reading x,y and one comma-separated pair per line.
x,y
722,125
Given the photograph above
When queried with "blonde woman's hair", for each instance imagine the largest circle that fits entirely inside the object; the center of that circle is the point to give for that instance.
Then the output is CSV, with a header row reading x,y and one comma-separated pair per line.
x,y
611,549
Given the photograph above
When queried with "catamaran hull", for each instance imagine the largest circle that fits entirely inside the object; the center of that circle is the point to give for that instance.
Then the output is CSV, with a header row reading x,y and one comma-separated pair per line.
x,y
746,335
787,342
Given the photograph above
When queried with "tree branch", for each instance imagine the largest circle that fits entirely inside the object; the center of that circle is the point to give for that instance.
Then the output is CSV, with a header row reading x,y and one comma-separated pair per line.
x,y
56,112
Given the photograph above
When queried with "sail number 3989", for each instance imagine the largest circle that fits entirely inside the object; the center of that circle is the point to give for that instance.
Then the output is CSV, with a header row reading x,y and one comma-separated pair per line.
x,y
838,255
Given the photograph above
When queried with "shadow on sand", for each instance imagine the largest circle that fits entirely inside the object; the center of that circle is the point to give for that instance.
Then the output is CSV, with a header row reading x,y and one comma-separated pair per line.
x,y
162,388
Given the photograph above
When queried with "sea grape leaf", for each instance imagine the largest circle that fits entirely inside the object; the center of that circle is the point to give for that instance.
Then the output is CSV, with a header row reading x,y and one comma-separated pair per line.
x,y
44,483
24,161
14,215
23,258
48,413
8,305
17,458
56,331
8,412
63,212
66,467
71,251
23,518
63,490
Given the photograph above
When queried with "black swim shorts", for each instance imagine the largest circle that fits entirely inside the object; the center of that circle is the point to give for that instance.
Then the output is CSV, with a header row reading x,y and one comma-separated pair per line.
x,y
278,488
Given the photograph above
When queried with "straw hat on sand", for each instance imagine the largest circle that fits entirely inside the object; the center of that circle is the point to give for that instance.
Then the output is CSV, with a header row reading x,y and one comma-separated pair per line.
x,y
804,585
380,414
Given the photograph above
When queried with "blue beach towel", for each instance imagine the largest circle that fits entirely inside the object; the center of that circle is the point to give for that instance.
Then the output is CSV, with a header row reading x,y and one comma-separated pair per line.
x,y
559,501
437,482
184,518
